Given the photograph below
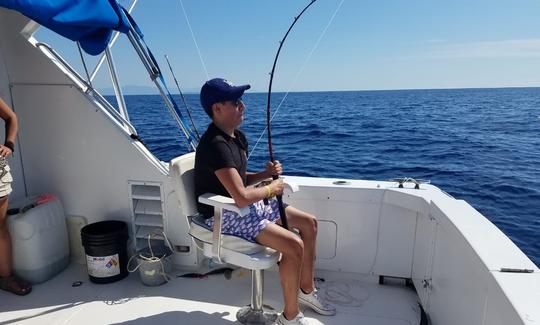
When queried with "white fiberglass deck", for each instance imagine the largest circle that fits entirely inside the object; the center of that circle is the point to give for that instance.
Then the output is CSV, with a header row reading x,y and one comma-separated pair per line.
x,y
208,300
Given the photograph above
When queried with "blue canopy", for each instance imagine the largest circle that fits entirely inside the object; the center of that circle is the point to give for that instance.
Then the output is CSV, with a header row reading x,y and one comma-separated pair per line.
x,y
90,22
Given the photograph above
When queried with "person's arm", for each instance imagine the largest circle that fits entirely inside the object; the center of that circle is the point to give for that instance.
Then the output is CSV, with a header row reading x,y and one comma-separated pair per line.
x,y
242,195
271,169
12,126
254,178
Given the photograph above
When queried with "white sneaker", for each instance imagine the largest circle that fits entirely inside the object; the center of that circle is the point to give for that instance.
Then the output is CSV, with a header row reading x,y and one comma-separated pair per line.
x,y
298,320
315,302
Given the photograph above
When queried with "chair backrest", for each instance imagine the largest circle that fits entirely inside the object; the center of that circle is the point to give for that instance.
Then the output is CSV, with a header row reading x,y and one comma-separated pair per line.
x,y
183,174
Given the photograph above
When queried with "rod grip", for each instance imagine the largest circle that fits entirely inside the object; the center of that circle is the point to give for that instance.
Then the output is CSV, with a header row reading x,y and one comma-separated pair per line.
x,y
282,214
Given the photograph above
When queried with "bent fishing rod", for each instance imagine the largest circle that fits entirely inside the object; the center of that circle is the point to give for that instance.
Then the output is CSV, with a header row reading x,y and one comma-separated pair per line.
x,y
279,198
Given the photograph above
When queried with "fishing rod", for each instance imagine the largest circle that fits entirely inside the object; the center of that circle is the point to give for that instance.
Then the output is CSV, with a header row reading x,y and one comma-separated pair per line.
x,y
279,198
183,99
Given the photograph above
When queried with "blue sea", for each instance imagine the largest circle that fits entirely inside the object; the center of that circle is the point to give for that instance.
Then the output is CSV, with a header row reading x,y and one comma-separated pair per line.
x,y
480,145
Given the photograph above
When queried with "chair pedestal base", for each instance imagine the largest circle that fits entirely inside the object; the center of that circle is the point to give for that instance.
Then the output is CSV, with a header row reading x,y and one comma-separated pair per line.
x,y
256,312
247,315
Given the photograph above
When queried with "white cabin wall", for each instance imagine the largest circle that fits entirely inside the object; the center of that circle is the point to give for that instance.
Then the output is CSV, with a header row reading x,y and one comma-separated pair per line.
x,y
78,153
25,64
18,185
69,147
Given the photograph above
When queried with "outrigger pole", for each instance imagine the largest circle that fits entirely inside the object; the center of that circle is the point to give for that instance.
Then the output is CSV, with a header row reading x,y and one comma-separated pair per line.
x,y
183,99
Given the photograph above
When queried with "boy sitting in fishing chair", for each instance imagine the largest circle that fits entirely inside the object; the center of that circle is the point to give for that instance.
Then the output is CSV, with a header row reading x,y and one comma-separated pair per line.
x,y
220,168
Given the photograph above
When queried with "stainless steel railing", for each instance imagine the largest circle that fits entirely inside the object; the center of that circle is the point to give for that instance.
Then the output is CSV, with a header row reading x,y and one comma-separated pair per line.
x,y
87,88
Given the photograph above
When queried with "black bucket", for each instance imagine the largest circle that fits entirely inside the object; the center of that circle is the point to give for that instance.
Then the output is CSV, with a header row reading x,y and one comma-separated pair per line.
x,y
105,245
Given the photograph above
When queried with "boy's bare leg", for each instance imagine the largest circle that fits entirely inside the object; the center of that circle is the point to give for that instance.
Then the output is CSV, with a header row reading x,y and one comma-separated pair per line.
x,y
292,250
306,224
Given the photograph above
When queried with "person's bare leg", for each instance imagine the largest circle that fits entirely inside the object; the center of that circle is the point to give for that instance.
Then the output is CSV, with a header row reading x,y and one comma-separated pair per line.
x,y
292,249
5,240
8,281
307,226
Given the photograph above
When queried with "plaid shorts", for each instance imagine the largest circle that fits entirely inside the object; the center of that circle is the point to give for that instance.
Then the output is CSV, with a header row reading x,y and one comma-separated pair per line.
x,y
5,178
250,226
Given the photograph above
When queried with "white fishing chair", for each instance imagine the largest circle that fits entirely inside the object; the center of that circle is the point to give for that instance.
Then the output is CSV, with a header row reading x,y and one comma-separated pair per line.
x,y
224,248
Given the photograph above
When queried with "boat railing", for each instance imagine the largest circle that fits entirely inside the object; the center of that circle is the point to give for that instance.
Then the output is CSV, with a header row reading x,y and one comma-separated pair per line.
x,y
86,87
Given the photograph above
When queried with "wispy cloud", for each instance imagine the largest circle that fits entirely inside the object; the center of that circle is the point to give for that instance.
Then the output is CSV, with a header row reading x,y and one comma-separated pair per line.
x,y
519,48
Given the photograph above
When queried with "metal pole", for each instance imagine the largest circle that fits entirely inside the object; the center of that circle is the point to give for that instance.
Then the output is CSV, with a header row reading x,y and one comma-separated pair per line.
x,y
153,71
116,85
257,284
111,44
87,88
134,40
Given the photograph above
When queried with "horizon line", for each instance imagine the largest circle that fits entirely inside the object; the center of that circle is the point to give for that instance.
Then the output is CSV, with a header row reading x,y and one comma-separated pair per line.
x,y
348,90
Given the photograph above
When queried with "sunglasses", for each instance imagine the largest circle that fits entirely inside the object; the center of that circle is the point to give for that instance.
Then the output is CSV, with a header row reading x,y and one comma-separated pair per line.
x,y
236,102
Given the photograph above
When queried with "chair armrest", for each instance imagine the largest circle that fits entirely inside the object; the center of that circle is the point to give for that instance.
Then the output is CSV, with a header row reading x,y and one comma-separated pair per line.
x,y
219,203
222,202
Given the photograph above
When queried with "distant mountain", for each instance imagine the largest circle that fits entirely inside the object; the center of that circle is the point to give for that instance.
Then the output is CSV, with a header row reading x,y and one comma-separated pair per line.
x,y
143,90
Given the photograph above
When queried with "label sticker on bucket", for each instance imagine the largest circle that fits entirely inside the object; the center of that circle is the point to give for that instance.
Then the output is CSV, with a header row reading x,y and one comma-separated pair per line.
x,y
103,266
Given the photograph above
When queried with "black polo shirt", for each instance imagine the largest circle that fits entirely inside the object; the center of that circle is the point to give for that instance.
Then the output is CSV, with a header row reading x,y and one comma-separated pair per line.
x,y
218,150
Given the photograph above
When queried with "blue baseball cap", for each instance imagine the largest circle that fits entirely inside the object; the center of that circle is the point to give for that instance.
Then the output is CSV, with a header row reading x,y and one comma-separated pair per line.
x,y
219,90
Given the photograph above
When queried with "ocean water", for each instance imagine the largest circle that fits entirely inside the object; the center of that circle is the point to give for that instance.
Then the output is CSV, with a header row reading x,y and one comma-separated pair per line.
x,y
480,145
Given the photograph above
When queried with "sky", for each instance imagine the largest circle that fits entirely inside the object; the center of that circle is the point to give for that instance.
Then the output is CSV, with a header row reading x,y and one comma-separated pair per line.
x,y
369,45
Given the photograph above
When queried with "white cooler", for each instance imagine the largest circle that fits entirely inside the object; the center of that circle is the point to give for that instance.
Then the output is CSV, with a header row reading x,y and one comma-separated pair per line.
x,y
39,238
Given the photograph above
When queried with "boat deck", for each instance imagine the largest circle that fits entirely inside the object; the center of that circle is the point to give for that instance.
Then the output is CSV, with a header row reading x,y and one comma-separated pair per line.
x,y
206,300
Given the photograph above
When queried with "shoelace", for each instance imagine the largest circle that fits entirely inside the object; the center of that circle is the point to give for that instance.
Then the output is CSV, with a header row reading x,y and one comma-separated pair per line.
x,y
301,320
320,300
